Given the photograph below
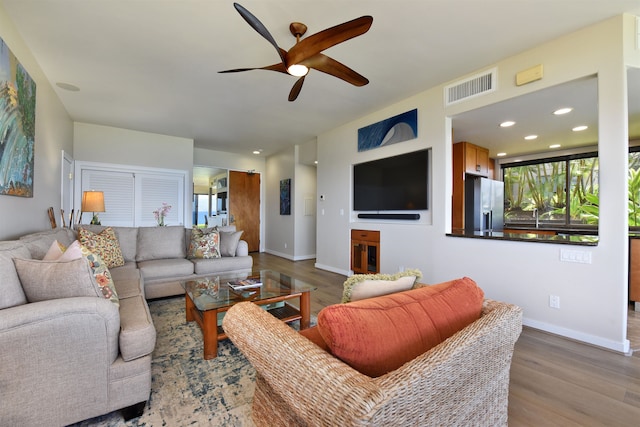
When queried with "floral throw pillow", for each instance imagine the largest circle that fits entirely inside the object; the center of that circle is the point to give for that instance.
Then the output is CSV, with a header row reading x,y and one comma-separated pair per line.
x,y
205,243
105,244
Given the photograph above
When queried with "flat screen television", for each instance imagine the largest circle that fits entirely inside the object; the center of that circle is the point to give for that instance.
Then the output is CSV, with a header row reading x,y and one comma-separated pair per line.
x,y
397,183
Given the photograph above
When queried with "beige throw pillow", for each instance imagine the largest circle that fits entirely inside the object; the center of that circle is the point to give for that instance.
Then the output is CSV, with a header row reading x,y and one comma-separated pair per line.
x,y
46,280
361,286
229,242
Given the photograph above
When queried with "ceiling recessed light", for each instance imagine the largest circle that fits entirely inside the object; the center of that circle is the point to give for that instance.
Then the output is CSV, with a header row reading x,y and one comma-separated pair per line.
x,y
68,86
579,128
507,124
561,111
530,137
554,146
501,154
257,151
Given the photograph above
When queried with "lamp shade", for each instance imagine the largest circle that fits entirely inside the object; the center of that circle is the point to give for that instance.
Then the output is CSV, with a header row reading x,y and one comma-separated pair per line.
x,y
93,201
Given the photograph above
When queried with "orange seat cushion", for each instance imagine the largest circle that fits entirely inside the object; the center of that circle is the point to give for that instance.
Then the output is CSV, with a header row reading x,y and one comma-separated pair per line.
x,y
378,335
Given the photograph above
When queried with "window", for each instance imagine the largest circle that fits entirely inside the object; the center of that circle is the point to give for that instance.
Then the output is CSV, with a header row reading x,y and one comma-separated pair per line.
x,y
201,207
561,191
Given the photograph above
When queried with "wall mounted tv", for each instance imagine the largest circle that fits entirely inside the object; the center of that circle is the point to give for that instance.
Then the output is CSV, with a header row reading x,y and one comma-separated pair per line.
x,y
397,183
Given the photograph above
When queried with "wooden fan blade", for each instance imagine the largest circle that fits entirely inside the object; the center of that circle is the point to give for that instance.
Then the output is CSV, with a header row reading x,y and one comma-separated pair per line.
x,y
295,90
332,67
279,67
259,27
318,42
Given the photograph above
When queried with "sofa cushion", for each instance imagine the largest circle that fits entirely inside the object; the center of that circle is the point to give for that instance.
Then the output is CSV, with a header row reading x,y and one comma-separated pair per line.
x,y
127,280
160,243
137,333
11,293
361,286
204,243
222,265
46,280
105,244
378,335
39,243
161,268
229,242
313,335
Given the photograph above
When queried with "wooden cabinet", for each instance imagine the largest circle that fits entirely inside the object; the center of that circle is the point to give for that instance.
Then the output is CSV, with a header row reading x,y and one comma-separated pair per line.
x,y
634,269
365,251
467,159
476,159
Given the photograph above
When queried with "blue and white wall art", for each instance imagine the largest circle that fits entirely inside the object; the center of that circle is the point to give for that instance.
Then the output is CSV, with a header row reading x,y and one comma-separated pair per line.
x,y
402,127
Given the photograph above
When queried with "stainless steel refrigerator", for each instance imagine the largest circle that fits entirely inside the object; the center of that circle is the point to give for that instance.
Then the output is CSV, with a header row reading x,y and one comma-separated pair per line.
x,y
483,204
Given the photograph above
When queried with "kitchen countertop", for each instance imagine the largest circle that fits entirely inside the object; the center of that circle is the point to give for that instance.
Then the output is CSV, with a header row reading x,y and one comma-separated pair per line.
x,y
568,239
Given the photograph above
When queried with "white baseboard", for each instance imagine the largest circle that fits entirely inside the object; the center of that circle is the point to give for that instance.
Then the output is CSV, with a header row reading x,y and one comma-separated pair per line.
x,y
332,269
289,256
622,347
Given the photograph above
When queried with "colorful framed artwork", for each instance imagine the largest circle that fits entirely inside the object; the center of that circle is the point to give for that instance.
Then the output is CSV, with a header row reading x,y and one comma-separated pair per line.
x,y
285,196
17,126
402,127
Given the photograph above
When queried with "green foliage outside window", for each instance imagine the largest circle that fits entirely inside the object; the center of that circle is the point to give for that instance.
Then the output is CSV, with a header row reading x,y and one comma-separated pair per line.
x,y
542,186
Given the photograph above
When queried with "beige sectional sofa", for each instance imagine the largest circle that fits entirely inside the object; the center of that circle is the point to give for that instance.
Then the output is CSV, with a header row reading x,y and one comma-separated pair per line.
x,y
160,253
67,359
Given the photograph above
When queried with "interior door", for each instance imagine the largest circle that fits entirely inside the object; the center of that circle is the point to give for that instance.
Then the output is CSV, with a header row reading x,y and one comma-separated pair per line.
x,y
244,206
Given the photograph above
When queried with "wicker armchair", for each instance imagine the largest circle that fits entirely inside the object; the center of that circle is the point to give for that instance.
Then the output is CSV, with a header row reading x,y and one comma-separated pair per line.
x,y
463,381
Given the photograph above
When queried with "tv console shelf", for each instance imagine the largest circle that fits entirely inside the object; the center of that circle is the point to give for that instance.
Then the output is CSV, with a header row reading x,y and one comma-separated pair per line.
x,y
365,251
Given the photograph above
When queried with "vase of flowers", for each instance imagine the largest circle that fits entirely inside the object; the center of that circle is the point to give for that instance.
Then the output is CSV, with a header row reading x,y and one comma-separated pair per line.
x,y
160,213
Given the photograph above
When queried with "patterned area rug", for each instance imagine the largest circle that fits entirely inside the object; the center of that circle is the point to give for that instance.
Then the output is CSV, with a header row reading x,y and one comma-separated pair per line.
x,y
187,390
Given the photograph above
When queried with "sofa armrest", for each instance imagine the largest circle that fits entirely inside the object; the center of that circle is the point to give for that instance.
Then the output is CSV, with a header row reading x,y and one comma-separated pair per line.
x,y
462,381
242,249
313,383
56,357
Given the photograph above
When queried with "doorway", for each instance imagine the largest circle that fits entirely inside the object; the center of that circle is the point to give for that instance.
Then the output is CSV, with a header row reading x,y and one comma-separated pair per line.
x,y
244,206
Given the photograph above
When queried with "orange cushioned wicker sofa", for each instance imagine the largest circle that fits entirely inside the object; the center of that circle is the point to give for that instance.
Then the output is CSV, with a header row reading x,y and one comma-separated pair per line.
x,y
434,355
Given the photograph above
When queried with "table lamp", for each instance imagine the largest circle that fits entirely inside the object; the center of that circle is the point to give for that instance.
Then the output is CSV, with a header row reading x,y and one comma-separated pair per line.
x,y
93,201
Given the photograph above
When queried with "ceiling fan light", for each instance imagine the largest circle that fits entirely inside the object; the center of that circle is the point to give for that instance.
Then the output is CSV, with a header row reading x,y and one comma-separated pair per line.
x,y
297,70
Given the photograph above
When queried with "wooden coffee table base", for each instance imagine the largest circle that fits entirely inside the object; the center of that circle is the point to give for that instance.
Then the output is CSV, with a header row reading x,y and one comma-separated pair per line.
x,y
212,333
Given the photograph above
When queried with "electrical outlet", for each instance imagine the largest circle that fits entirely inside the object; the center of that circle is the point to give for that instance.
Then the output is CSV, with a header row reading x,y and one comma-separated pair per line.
x,y
285,246
554,301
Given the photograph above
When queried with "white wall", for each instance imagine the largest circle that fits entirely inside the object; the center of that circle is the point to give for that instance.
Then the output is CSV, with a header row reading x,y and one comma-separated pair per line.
x,y
280,229
304,210
54,133
593,296
106,144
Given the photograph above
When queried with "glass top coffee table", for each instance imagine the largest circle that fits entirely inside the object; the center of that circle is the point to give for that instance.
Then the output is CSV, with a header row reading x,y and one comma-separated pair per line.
x,y
208,298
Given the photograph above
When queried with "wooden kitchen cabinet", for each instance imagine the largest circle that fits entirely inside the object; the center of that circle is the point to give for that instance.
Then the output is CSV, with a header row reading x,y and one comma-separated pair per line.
x,y
467,159
634,270
365,251
476,159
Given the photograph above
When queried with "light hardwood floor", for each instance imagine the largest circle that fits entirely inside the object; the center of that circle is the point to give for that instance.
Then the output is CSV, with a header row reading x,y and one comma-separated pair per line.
x,y
554,381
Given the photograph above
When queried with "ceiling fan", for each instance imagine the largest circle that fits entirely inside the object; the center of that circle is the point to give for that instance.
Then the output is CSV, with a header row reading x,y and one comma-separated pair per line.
x,y
305,54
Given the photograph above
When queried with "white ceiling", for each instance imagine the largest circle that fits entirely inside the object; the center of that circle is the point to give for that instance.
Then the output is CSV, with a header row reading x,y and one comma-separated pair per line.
x,y
152,65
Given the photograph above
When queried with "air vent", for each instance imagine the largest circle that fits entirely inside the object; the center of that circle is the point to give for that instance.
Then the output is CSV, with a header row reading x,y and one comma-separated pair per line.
x,y
471,87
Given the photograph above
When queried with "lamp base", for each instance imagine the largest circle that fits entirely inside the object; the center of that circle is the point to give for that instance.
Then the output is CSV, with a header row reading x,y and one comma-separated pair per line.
x,y
95,220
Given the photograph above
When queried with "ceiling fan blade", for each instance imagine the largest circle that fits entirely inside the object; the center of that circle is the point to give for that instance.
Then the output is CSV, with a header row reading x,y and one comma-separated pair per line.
x,y
295,90
318,42
259,27
275,67
332,67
